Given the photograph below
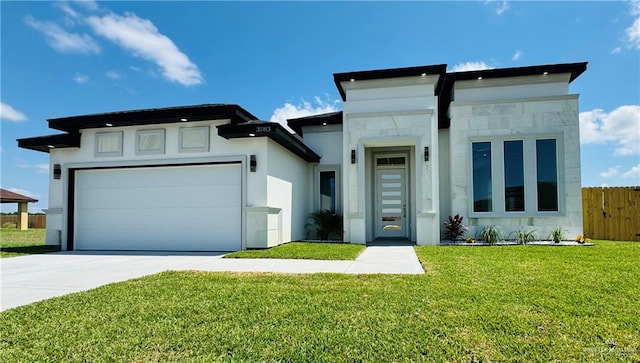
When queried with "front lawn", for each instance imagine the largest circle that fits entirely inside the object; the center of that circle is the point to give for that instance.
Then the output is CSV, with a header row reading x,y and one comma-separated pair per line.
x,y
14,242
525,303
305,250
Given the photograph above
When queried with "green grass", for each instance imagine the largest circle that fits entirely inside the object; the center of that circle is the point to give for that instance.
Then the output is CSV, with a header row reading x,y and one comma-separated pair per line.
x,y
305,250
14,242
522,303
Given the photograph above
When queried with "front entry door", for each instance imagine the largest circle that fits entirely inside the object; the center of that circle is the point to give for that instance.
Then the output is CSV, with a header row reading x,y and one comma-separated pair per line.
x,y
391,196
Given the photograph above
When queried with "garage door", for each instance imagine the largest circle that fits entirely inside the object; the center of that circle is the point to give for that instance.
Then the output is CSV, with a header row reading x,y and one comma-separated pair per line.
x,y
169,208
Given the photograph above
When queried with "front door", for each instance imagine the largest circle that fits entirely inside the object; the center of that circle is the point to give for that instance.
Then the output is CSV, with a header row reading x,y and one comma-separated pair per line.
x,y
391,196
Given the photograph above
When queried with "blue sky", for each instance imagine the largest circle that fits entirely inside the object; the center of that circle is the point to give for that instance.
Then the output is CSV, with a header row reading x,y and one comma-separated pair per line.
x,y
276,60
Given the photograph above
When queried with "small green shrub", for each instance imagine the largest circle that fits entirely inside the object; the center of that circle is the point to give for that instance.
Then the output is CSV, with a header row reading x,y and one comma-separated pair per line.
x,y
557,234
326,222
523,237
491,234
453,228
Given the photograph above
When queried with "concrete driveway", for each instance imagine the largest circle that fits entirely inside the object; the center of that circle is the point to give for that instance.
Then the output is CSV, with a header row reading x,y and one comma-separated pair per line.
x,y
28,279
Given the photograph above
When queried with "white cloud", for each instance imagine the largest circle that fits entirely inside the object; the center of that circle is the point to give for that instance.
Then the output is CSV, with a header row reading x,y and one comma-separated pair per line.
x,y
142,38
611,172
62,40
633,172
517,55
616,50
289,111
81,78
42,168
470,66
11,114
620,127
113,74
502,6
633,34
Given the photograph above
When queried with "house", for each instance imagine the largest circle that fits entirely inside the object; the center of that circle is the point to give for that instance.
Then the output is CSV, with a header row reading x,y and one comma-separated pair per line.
x,y
410,147
7,196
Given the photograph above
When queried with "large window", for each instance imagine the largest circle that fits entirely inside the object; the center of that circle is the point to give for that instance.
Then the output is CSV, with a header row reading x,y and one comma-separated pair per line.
x,y
328,194
327,188
513,176
547,175
482,186
516,177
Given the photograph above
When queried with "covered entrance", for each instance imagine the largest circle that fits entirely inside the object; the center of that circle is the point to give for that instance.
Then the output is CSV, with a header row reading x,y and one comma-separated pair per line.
x,y
391,196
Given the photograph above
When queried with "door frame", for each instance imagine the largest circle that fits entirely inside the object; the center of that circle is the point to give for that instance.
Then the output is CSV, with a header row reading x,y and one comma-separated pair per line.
x,y
376,200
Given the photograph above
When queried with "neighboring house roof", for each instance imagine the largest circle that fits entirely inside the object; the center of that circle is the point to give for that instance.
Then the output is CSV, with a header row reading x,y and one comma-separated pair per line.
x,y
332,118
272,130
72,125
7,196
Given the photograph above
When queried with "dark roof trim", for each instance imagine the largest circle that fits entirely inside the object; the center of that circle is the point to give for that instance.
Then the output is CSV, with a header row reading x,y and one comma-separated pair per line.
x,y
333,118
446,95
153,116
46,143
272,130
440,69
7,196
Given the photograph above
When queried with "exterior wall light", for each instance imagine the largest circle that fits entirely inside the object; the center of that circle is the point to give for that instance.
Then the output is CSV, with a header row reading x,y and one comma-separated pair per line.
x,y
57,171
353,156
426,153
253,163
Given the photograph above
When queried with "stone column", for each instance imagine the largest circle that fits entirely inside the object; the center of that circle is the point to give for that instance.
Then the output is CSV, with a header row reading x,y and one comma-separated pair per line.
x,y
23,216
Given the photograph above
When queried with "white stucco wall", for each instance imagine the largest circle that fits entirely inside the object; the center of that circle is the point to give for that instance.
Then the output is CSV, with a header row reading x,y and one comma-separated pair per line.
x,y
289,187
220,149
326,141
520,118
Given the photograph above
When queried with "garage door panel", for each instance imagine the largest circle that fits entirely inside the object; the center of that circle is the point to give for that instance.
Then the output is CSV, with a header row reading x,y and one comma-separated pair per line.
x,y
181,208
141,198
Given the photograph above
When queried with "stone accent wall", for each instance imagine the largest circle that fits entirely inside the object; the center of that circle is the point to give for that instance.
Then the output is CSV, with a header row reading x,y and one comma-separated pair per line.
x,y
519,118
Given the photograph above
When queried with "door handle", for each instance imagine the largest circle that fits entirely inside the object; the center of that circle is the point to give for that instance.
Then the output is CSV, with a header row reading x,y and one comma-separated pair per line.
x,y
404,211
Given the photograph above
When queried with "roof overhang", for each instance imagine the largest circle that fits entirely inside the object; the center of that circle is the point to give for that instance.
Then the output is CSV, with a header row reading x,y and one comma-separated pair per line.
x,y
46,143
272,130
332,118
420,71
234,113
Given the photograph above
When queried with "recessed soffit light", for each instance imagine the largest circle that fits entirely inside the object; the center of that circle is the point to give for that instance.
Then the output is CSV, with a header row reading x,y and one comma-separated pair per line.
x,y
352,80
51,146
108,124
480,78
252,135
183,119
545,73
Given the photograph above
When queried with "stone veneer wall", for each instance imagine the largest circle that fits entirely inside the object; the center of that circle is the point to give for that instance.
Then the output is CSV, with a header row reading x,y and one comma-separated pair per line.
x,y
541,116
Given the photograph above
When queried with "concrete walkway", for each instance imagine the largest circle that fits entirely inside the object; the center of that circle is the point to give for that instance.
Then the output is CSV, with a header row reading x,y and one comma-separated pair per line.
x,y
28,279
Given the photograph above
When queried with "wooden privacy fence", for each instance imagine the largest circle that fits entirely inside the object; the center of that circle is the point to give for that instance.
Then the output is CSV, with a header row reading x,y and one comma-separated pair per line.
x,y
35,220
611,213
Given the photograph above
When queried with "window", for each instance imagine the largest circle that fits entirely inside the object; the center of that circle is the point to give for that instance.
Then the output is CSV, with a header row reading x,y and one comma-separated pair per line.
x,y
516,177
327,187
194,139
547,175
513,176
109,143
328,190
482,186
150,142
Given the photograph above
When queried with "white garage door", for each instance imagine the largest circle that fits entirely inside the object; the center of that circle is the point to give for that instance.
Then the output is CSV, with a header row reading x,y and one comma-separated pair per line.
x,y
169,208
